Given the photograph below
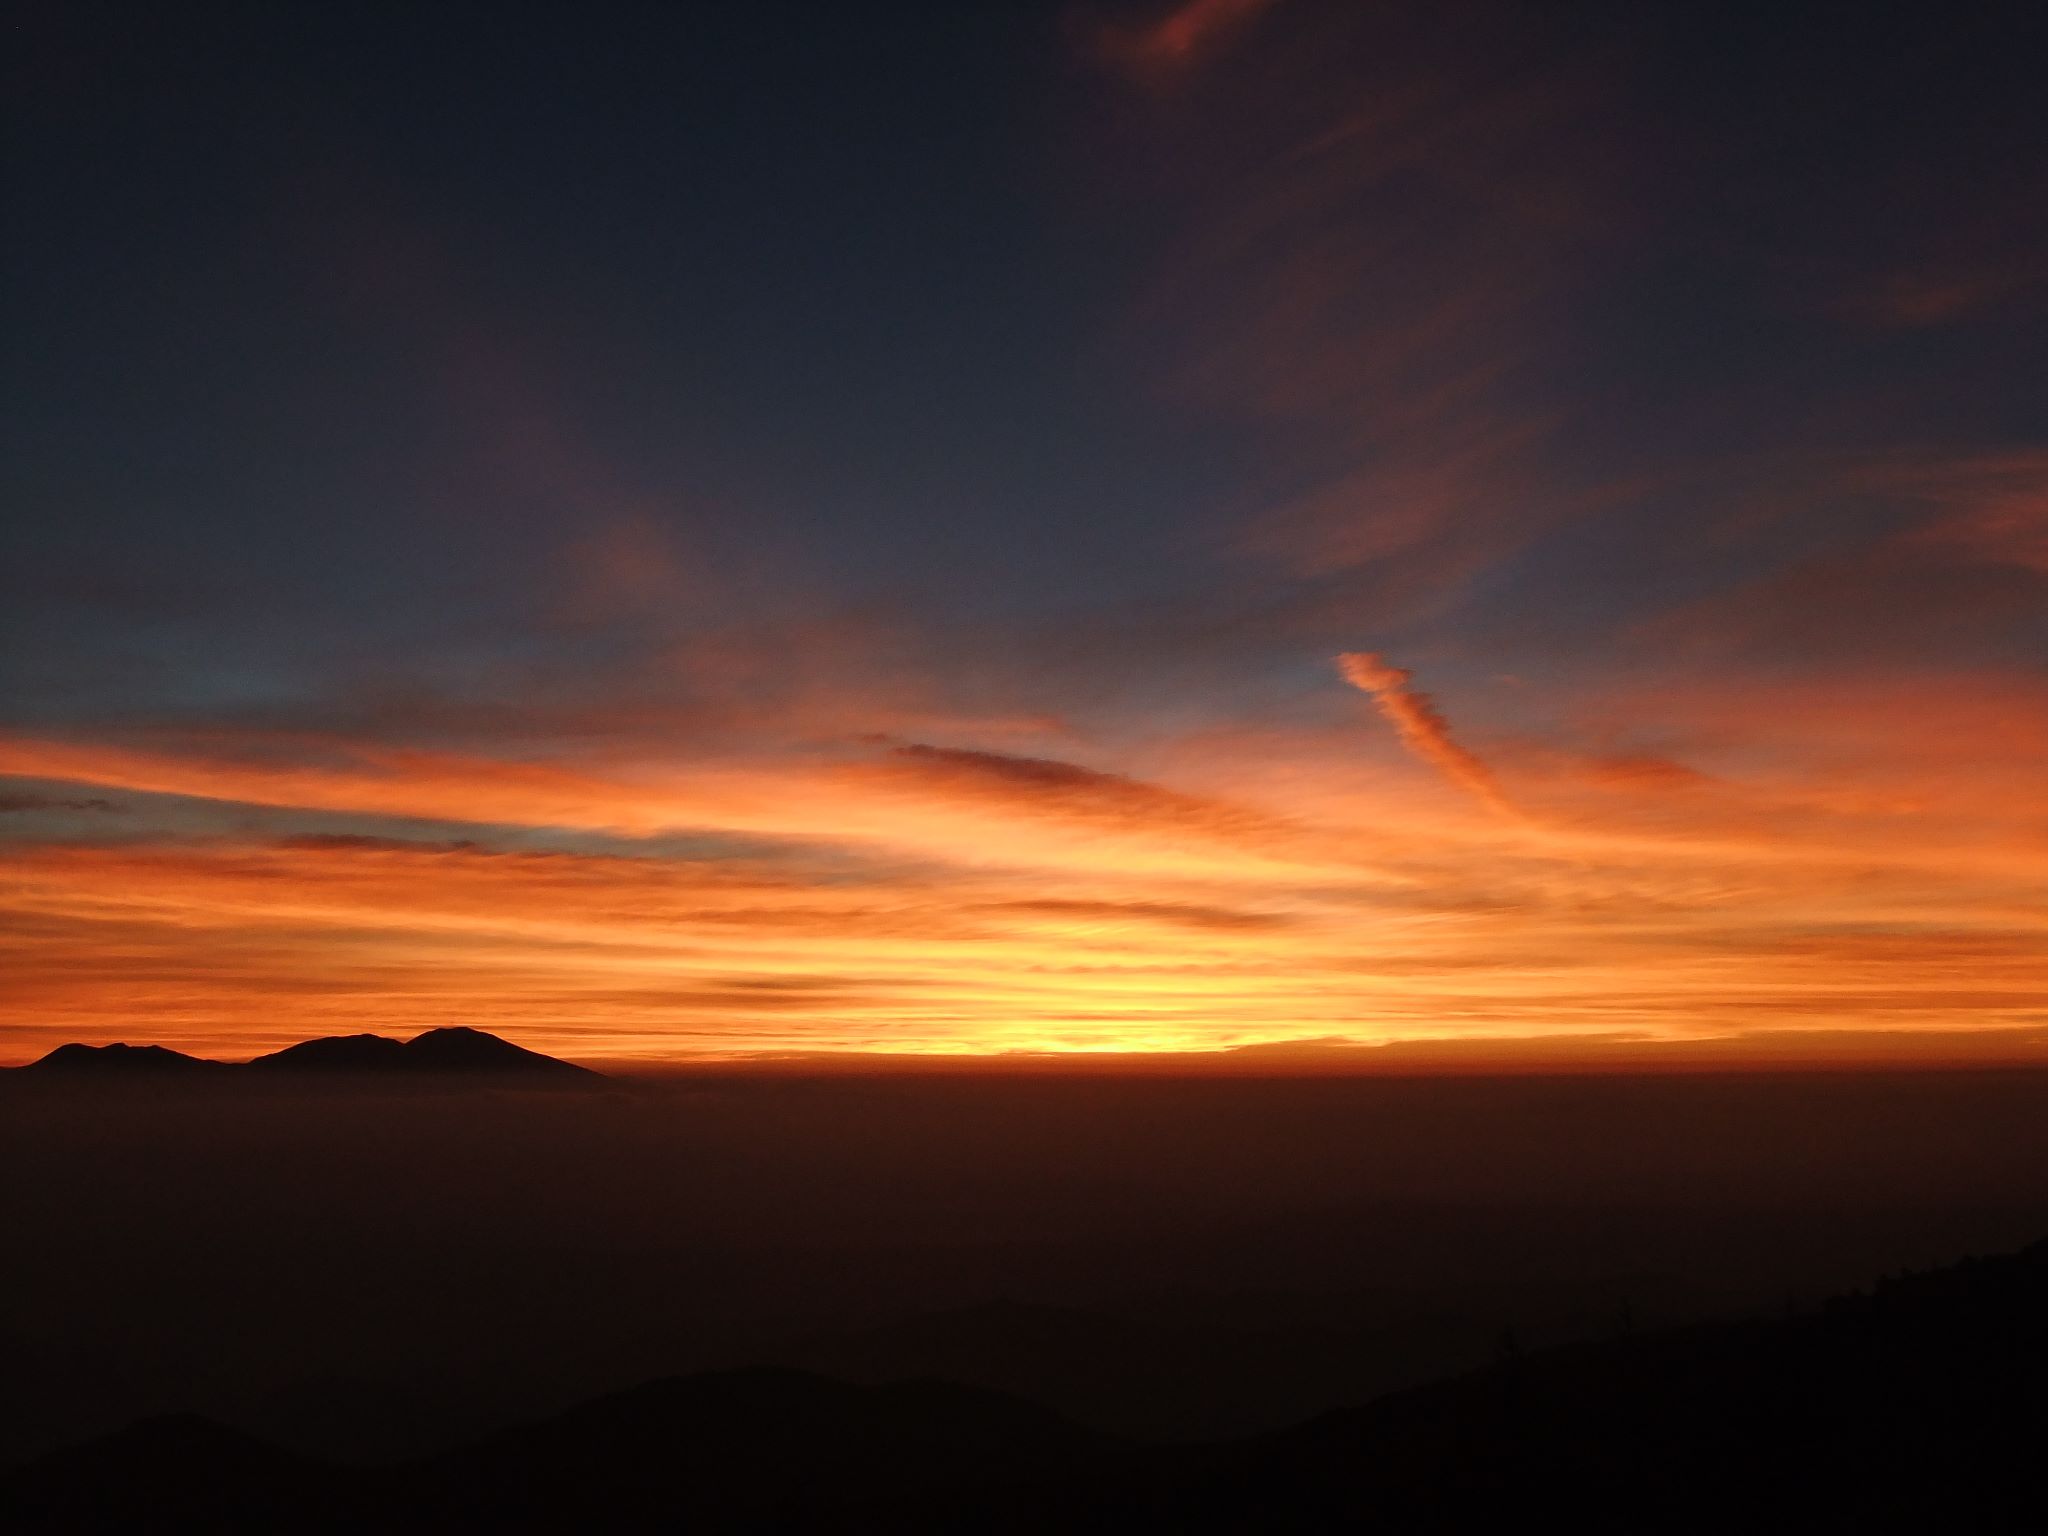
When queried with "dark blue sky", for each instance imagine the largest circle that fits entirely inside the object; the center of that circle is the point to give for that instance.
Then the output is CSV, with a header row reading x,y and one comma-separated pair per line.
x,y
337,330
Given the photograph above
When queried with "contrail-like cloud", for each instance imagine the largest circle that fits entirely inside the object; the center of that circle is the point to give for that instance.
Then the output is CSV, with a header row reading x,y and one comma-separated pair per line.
x,y
1422,730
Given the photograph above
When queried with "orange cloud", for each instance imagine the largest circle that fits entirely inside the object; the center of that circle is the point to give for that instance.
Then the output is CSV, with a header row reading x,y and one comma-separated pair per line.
x,y
1642,771
916,799
1067,789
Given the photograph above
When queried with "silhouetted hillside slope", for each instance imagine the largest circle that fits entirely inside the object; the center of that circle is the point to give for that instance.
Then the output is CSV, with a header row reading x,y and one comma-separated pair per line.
x,y
743,1448
174,1473
1920,1406
1204,1369
733,1450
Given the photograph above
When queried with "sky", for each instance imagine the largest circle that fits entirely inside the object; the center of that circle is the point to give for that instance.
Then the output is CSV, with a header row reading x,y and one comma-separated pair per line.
x,y
1243,531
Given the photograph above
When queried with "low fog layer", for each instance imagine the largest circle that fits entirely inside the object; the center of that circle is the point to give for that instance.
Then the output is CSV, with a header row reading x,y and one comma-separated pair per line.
x,y
369,1271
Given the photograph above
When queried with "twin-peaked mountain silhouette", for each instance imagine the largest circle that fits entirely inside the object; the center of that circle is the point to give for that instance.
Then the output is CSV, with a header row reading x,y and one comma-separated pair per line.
x,y
453,1052
1919,1406
119,1060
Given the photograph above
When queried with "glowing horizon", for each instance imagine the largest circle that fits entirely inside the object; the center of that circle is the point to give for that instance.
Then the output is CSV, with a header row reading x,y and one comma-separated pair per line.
x,y
1311,885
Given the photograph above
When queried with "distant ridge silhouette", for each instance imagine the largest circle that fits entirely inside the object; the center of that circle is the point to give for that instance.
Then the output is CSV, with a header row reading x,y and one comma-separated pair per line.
x,y
445,1053
120,1060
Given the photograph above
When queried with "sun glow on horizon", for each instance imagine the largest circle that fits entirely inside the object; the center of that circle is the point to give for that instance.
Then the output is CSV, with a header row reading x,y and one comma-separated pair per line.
x,y
1307,886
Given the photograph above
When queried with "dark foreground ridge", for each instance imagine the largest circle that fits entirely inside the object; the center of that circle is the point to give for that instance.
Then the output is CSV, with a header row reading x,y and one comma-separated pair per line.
x,y
1919,1406
437,1052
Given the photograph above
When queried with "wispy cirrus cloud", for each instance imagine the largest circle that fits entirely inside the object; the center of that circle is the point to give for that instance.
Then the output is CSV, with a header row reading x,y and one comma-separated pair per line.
x,y
1919,298
1173,38
1991,510
1946,559
1385,224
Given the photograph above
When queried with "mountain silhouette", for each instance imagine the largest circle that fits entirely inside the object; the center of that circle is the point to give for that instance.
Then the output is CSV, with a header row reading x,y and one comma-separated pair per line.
x,y
119,1061
1919,1405
338,1053
443,1053
454,1050
472,1050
